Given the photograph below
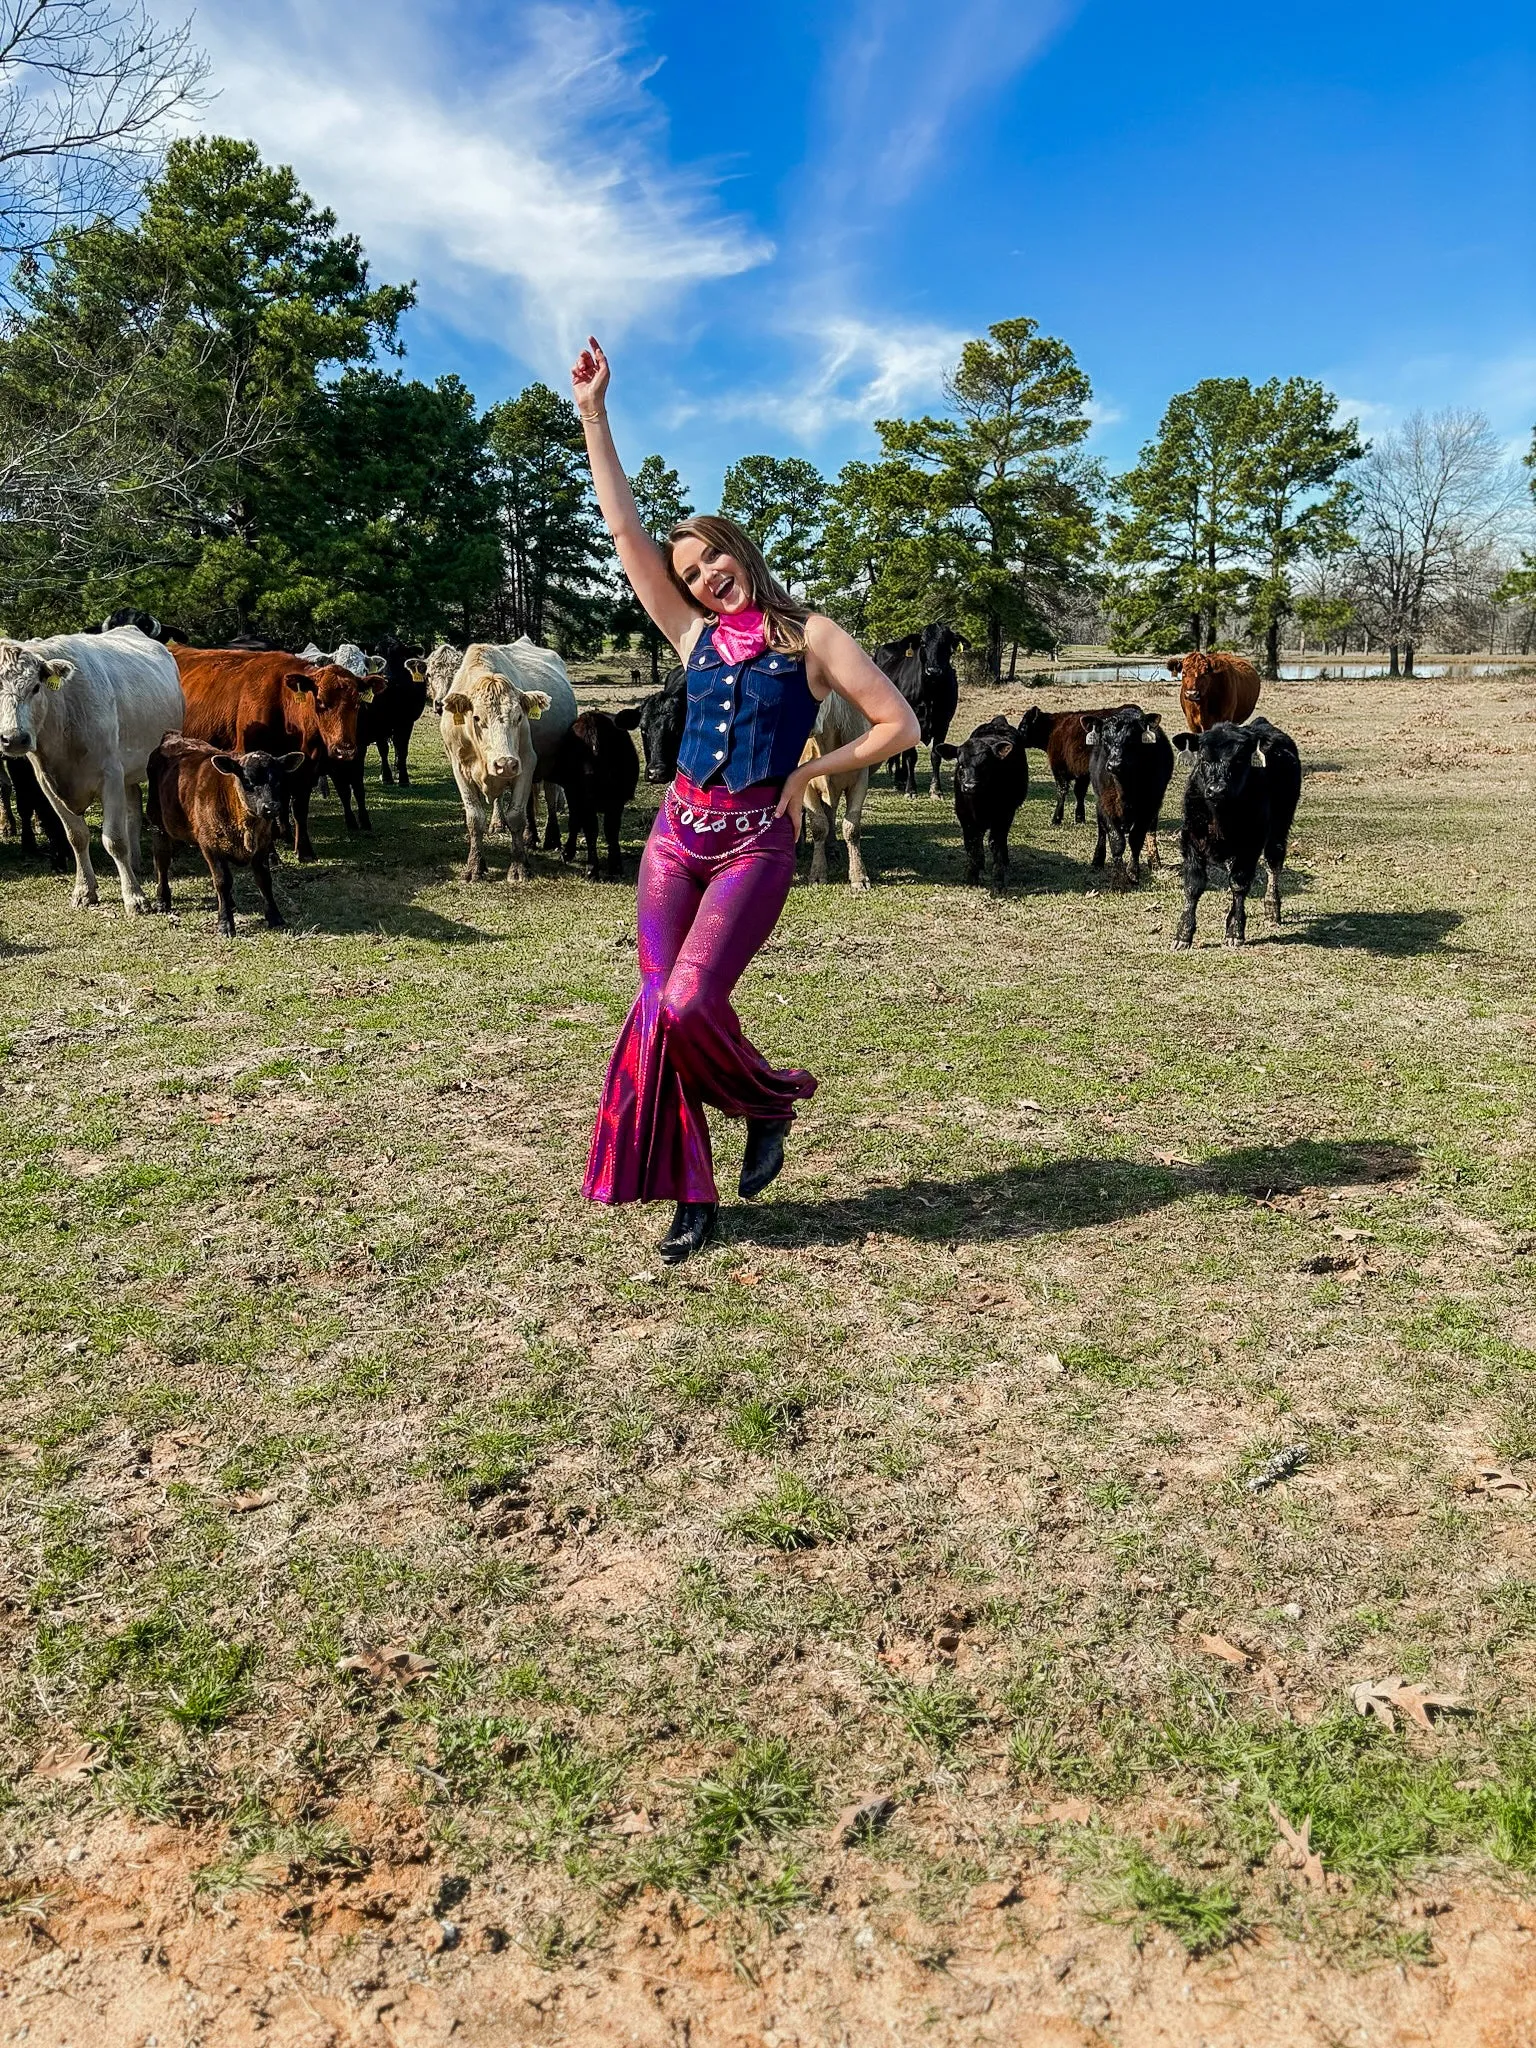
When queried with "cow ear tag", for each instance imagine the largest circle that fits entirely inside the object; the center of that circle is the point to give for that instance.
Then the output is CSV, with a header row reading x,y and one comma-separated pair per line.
x,y
1258,755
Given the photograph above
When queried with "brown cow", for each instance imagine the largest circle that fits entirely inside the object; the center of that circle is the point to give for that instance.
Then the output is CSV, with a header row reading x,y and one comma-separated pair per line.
x,y
275,704
228,806
1215,689
1060,737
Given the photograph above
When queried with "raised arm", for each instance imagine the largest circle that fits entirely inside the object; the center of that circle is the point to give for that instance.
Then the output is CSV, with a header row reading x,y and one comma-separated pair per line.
x,y
642,560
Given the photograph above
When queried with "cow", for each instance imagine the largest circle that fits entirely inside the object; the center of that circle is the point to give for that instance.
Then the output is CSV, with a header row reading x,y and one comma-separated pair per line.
x,y
442,667
1132,766
146,622
922,666
596,765
661,718
398,706
838,724
1239,802
275,704
32,808
533,667
991,781
1062,738
1215,689
229,806
488,723
87,710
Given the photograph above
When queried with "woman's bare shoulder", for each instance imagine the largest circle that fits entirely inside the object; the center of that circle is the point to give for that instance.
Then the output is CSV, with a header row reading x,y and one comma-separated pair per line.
x,y
690,639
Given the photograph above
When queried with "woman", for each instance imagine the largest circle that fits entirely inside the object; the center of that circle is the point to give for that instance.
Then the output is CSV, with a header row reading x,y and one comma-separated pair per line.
x,y
721,856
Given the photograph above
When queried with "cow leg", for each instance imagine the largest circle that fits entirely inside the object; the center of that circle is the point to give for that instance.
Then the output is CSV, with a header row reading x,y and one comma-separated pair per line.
x,y
853,828
999,838
164,851
1273,913
819,821
1237,916
1063,784
402,751
363,818
384,774
612,821
344,792
589,833
935,781
261,868
1099,846
1082,799
908,780
5,805
516,805
552,822
303,845
1154,858
476,818
1196,881
1118,878
119,836
224,890
975,852
1137,839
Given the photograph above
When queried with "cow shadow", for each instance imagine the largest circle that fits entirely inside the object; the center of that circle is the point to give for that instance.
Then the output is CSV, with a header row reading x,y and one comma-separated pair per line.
x,y
1066,1194
1393,934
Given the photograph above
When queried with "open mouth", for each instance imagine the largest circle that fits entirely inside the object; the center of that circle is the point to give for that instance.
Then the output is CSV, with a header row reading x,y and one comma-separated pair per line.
x,y
722,589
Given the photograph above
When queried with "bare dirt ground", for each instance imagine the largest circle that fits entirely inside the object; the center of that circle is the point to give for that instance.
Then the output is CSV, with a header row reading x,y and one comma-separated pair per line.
x,y
428,1619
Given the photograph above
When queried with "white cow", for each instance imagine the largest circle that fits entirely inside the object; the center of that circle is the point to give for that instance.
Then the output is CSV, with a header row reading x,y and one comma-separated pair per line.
x,y
442,667
539,668
838,724
88,709
349,656
488,723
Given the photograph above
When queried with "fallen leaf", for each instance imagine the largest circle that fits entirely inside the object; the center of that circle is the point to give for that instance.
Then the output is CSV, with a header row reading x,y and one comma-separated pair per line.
x,y
1025,1103
1343,1232
1299,1840
1173,1159
1282,1465
69,1764
636,1823
1388,1697
269,1870
394,1664
745,1277
989,1898
1229,1653
1497,1483
248,1503
864,1818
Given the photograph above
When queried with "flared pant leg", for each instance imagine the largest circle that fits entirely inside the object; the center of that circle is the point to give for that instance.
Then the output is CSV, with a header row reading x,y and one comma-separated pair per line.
x,y
701,921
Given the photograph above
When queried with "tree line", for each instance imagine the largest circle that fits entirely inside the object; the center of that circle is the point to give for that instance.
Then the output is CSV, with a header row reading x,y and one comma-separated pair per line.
x,y
203,413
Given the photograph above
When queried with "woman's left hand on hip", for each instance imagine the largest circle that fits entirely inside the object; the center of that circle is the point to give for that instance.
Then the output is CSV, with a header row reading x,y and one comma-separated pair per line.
x,y
792,798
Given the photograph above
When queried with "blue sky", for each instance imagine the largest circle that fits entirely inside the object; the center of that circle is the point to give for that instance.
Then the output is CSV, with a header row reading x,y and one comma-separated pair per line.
x,y
783,219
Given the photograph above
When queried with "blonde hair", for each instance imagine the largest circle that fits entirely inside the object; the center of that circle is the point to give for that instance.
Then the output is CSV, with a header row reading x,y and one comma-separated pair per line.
x,y
783,616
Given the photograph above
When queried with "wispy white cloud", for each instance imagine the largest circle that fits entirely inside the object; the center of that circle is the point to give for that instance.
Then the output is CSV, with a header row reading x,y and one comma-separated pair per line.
x,y
848,371
533,195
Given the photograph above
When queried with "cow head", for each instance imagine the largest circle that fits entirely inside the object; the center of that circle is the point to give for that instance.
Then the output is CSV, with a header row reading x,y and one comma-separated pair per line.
x,y
441,668
26,679
1116,736
260,787
938,644
330,697
495,719
1035,727
1197,673
1224,757
993,751
661,719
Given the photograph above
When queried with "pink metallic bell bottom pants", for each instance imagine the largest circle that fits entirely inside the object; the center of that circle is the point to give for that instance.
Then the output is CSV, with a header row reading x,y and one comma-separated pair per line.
x,y
713,880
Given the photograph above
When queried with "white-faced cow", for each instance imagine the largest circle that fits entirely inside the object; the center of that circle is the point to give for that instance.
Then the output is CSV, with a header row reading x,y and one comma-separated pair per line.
x,y
87,710
488,723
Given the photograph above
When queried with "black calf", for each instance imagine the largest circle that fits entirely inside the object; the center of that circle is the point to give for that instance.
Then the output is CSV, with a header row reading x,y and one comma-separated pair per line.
x,y
661,719
595,765
1130,765
1239,802
991,781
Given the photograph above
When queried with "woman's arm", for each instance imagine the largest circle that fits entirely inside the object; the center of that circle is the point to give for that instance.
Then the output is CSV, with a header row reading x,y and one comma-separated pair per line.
x,y
838,662
642,560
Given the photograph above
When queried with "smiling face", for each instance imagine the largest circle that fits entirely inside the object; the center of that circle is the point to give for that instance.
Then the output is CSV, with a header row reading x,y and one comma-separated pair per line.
x,y
713,578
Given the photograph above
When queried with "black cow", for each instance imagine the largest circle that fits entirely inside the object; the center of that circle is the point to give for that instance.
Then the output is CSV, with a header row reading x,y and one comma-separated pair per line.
x,y
595,765
18,778
1130,765
661,719
991,781
922,666
1239,802
398,703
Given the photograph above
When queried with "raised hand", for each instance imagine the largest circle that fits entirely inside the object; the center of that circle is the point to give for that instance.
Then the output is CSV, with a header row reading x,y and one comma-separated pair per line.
x,y
589,380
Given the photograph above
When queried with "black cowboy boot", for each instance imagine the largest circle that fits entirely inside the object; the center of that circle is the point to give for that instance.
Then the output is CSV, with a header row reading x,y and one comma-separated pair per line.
x,y
692,1228
764,1157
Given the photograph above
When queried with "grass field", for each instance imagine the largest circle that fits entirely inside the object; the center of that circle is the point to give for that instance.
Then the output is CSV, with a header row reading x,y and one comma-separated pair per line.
x,y
866,1632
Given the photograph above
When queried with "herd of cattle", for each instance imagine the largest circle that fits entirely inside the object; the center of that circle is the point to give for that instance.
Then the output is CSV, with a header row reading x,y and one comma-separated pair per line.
x,y
230,745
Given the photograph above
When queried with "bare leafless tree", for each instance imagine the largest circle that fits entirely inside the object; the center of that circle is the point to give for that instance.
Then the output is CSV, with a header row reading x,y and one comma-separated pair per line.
x,y
87,90
1430,494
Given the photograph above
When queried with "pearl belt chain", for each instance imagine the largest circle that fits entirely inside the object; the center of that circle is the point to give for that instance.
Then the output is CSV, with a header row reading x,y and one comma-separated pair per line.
x,y
743,826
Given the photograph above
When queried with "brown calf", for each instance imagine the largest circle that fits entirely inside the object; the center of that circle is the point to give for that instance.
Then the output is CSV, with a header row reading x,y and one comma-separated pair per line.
x,y
1215,689
275,704
226,805
1061,738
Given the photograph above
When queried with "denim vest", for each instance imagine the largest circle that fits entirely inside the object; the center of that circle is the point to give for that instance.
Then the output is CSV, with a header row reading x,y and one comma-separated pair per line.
x,y
747,722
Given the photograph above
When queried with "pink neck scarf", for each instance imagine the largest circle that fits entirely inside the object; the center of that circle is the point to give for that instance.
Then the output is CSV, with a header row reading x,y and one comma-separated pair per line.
x,y
741,635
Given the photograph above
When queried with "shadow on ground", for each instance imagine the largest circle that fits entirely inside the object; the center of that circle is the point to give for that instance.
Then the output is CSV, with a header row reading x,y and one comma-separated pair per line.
x,y
1396,933
1067,1194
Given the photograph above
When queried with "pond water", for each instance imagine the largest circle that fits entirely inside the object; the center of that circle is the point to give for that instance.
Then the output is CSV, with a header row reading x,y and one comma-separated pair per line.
x,y
1290,672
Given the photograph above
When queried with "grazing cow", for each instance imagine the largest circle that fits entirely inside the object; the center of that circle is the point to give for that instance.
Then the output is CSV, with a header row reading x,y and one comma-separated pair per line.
x,y
1240,801
596,765
87,710
1062,737
32,809
838,724
488,724
922,666
275,704
1132,766
442,667
991,781
661,719
1215,689
229,806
